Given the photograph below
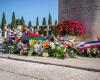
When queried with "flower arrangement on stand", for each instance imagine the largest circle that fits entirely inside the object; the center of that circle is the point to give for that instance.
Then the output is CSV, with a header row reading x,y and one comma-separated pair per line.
x,y
71,27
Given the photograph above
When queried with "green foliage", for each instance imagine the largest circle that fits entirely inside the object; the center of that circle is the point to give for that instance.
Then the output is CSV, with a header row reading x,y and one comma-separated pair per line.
x,y
43,31
37,21
22,21
18,21
49,20
29,24
93,52
52,27
90,52
8,47
13,22
31,51
50,52
3,24
57,52
35,28
3,33
71,52
44,21
55,22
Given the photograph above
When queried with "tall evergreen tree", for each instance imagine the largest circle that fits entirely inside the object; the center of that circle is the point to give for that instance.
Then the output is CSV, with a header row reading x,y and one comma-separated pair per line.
x,y
29,25
22,21
49,20
13,23
37,21
3,24
44,21
55,22
18,21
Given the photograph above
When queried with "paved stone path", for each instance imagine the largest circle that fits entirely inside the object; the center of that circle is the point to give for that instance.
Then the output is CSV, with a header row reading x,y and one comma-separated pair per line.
x,y
21,70
91,64
6,75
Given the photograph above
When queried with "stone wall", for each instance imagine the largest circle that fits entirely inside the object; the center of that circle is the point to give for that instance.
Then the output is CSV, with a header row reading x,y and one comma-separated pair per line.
x,y
85,11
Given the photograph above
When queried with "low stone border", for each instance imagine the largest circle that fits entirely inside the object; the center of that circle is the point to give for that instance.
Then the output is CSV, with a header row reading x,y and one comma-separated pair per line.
x,y
48,63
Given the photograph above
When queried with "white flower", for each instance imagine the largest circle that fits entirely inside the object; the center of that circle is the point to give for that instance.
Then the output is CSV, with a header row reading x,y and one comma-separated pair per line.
x,y
45,54
52,45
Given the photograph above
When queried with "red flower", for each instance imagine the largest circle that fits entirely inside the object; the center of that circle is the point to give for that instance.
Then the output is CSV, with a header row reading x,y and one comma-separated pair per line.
x,y
71,27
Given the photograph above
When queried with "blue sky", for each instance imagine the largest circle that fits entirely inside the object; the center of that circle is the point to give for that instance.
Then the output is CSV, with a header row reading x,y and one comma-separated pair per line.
x,y
29,9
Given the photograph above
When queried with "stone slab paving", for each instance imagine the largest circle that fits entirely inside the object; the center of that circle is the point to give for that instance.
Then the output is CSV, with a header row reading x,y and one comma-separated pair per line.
x,y
5,75
42,72
79,62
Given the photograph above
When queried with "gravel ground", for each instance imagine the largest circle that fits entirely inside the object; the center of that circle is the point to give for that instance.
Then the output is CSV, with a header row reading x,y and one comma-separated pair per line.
x,y
20,70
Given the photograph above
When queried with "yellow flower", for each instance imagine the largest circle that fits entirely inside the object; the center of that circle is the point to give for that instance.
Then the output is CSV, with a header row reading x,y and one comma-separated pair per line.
x,y
32,42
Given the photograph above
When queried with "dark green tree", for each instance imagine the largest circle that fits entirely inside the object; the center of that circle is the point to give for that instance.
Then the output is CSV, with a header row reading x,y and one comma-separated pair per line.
x,y
13,22
29,25
18,21
37,21
22,21
49,20
44,21
55,22
3,24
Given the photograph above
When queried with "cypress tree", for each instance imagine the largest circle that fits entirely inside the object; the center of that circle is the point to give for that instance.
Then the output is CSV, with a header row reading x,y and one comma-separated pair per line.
x,y
13,23
55,22
44,21
37,21
18,21
49,20
29,25
22,21
3,24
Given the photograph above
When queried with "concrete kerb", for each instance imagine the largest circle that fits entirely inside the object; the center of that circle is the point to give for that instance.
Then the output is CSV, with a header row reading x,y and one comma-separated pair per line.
x,y
48,63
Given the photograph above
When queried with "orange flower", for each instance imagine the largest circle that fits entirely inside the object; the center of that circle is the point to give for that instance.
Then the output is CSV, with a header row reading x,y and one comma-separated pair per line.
x,y
46,45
